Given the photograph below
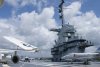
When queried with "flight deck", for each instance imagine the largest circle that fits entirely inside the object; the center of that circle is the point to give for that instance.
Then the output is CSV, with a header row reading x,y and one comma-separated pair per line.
x,y
50,64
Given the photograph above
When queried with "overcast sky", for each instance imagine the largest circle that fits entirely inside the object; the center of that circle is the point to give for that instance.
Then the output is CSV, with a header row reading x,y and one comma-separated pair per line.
x,y
30,21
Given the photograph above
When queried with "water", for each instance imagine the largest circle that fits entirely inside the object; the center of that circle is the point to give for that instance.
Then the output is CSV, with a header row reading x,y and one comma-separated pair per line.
x,y
49,64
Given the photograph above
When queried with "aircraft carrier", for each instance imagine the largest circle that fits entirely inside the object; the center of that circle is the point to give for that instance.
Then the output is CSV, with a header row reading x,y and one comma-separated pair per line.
x,y
68,41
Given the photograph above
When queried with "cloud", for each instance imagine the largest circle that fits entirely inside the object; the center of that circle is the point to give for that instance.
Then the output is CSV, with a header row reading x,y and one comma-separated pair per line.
x,y
22,3
72,10
31,27
91,49
87,24
12,2
5,29
34,26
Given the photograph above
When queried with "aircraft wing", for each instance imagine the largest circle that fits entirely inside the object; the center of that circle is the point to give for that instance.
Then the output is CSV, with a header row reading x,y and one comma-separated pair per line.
x,y
21,44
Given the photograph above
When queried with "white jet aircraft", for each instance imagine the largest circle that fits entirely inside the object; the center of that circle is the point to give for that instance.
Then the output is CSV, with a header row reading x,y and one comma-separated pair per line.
x,y
5,53
21,44
80,56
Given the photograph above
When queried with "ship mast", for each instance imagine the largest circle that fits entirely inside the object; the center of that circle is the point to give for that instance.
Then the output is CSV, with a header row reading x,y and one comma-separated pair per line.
x,y
61,15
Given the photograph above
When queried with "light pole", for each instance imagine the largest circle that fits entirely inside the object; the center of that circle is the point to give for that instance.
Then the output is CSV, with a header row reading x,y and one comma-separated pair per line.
x,y
1,2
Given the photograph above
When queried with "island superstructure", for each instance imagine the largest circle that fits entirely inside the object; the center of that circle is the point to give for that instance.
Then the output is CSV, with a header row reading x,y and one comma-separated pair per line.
x,y
68,41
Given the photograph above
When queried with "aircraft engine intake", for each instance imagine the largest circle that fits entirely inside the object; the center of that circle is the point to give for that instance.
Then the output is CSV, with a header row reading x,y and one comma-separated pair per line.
x,y
15,59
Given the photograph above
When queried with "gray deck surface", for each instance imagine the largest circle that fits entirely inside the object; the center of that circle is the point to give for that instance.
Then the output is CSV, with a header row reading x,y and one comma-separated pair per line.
x,y
49,64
